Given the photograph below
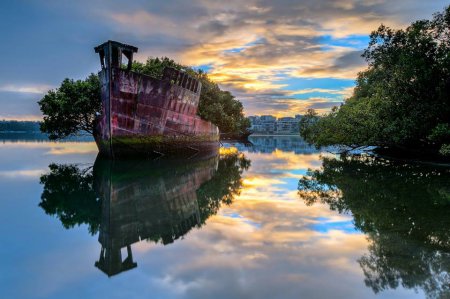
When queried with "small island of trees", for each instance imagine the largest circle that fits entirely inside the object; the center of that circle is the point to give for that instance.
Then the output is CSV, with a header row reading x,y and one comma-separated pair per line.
x,y
71,109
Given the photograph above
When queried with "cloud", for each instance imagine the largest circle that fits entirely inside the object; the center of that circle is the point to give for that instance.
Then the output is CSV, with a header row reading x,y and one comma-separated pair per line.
x,y
248,47
21,117
20,105
287,106
32,173
39,89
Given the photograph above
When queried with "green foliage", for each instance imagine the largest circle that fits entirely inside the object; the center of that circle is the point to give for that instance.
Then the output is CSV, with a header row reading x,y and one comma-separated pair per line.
x,y
77,195
71,108
221,108
224,186
155,66
19,126
216,105
69,194
440,133
307,123
401,98
402,208
445,150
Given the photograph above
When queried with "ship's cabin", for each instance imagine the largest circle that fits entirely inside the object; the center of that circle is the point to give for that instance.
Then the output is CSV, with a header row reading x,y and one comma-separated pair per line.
x,y
113,54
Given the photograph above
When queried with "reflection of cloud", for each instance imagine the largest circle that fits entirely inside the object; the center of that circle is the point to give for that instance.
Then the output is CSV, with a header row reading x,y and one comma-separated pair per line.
x,y
56,148
230,256
266,242
178,286
81,148
286,161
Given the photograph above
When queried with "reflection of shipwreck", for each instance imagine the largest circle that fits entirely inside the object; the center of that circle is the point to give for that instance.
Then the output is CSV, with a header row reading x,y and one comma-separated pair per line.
x,y
146,201
130,201
145,115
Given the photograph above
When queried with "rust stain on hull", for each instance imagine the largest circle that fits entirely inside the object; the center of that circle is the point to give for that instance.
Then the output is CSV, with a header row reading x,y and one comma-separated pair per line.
x,y
142,115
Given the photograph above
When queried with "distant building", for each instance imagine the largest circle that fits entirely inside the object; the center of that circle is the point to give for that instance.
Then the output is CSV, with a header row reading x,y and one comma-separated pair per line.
x,y
268,118
286,125
269,124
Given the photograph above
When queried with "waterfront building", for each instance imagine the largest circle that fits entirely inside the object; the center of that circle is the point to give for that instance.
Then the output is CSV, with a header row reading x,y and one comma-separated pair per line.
x,y
269,124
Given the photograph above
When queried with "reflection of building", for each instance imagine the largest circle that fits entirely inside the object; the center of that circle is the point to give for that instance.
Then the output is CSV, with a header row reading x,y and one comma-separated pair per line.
x,y
268,144
268,124
146,200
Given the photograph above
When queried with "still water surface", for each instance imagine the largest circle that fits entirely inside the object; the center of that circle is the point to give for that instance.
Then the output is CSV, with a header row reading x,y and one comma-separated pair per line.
x,y
276,219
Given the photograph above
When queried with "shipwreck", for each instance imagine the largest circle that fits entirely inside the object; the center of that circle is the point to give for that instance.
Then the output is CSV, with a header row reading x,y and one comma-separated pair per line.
x,y
143,115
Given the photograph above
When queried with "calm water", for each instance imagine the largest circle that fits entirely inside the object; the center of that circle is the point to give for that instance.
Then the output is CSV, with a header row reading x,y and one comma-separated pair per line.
x,y
252,222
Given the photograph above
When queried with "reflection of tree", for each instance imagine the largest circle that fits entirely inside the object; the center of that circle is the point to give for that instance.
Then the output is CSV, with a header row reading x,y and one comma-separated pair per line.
x,y
69,194
403,208
129,201
223,186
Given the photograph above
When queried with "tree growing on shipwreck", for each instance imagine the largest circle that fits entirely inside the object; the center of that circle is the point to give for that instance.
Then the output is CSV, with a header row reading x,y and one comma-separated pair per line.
x,y
72,107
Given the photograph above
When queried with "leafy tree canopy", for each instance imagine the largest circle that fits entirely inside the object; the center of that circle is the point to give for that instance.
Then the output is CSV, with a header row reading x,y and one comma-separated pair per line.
x,y
216,105
71,108
402,100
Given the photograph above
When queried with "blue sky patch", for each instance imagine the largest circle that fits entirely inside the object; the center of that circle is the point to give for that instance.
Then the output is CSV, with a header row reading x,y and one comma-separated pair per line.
x,y
325,83
324,226
352,41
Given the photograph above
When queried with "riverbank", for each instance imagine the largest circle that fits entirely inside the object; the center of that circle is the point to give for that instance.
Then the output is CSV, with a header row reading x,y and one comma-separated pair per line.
x,y
410,155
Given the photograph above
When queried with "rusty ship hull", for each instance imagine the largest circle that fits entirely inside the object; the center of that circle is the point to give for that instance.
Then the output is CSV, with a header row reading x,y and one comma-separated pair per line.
x,y
146,116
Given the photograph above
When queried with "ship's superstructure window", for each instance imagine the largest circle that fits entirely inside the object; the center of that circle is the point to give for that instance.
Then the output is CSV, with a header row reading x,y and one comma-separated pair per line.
x,y
113,54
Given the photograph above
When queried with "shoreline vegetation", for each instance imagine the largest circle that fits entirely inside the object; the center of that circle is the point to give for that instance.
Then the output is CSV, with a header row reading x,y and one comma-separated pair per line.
x,y
401,103
18,126
26,130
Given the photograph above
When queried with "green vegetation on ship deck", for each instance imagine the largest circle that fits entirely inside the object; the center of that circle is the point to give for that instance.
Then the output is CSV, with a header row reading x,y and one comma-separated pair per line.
x,y
72,107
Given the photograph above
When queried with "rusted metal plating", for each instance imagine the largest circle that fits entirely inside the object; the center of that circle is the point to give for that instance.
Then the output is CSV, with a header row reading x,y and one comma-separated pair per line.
x,y
146,115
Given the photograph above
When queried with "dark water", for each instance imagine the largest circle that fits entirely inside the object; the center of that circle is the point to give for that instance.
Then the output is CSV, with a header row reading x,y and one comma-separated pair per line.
x,y
249,222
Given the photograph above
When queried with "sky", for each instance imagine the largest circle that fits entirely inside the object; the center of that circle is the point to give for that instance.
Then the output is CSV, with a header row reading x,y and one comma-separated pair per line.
x,y
277,57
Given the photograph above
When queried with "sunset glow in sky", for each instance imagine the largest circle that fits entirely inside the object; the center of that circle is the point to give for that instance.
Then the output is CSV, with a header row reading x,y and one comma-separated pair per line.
x,y
277,57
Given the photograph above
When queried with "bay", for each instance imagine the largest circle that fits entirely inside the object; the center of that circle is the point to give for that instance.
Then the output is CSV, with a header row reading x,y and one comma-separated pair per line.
x,y
274,218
